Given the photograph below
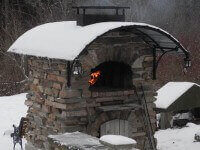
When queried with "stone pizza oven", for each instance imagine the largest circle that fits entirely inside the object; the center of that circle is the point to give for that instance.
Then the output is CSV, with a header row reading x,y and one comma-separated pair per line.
x,y
96,79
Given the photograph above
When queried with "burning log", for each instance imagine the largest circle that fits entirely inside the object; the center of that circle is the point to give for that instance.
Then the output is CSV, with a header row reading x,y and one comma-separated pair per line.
x,y
94,77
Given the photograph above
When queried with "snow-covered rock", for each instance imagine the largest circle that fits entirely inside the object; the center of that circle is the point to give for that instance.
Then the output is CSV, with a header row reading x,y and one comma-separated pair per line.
x,y
118,142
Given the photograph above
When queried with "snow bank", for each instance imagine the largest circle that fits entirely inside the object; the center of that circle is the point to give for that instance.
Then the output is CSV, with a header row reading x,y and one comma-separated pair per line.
x,y
170,92
12,108
117,140
178,139
65,40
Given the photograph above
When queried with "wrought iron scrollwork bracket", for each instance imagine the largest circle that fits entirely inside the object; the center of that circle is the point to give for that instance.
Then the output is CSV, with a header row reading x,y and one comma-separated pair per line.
x,y
157,60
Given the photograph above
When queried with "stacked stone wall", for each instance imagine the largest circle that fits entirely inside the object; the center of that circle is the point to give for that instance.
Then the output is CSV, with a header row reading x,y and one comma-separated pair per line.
x,y
55,108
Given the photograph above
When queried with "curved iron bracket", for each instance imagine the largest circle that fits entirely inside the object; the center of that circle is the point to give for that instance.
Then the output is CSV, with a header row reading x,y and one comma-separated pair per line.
x,y
156,61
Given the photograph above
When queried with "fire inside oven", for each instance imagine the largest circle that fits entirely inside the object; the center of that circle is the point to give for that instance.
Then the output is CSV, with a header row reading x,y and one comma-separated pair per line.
x,y
111,75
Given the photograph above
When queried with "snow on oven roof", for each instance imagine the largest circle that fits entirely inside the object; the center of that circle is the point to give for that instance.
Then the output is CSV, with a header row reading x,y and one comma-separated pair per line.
x,y
170,92
65,40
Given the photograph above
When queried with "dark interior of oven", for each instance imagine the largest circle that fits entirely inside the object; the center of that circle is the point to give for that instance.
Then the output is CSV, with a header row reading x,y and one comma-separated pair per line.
x,y
111,75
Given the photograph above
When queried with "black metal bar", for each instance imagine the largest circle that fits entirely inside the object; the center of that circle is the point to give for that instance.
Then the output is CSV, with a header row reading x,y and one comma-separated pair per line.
x,y
78,11
100,7
69,70
154,64
166,48
123,11
117,11
84,11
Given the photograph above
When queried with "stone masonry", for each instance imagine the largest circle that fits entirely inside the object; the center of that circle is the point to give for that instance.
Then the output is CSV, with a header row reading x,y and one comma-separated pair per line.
x,y
56,108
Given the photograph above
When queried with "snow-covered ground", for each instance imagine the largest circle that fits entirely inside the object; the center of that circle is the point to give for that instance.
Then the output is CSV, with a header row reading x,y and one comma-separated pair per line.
x,y
178,139
12,108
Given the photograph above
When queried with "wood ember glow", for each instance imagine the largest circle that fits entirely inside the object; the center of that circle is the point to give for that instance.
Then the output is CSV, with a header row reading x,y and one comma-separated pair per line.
x,y
94,77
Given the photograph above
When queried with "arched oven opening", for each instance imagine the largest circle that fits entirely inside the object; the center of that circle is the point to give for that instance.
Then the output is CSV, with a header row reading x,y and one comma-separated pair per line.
x,y
111,76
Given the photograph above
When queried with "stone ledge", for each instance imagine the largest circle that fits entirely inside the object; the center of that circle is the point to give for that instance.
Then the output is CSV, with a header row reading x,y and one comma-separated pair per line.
x,y
75,140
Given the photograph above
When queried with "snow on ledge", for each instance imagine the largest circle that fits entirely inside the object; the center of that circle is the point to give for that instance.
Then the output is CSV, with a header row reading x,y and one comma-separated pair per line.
x,y
76,139
170,92
65,40
117,140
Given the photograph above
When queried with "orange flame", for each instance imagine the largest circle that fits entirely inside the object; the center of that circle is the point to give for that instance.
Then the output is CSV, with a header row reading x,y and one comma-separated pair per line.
x,y
94,77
